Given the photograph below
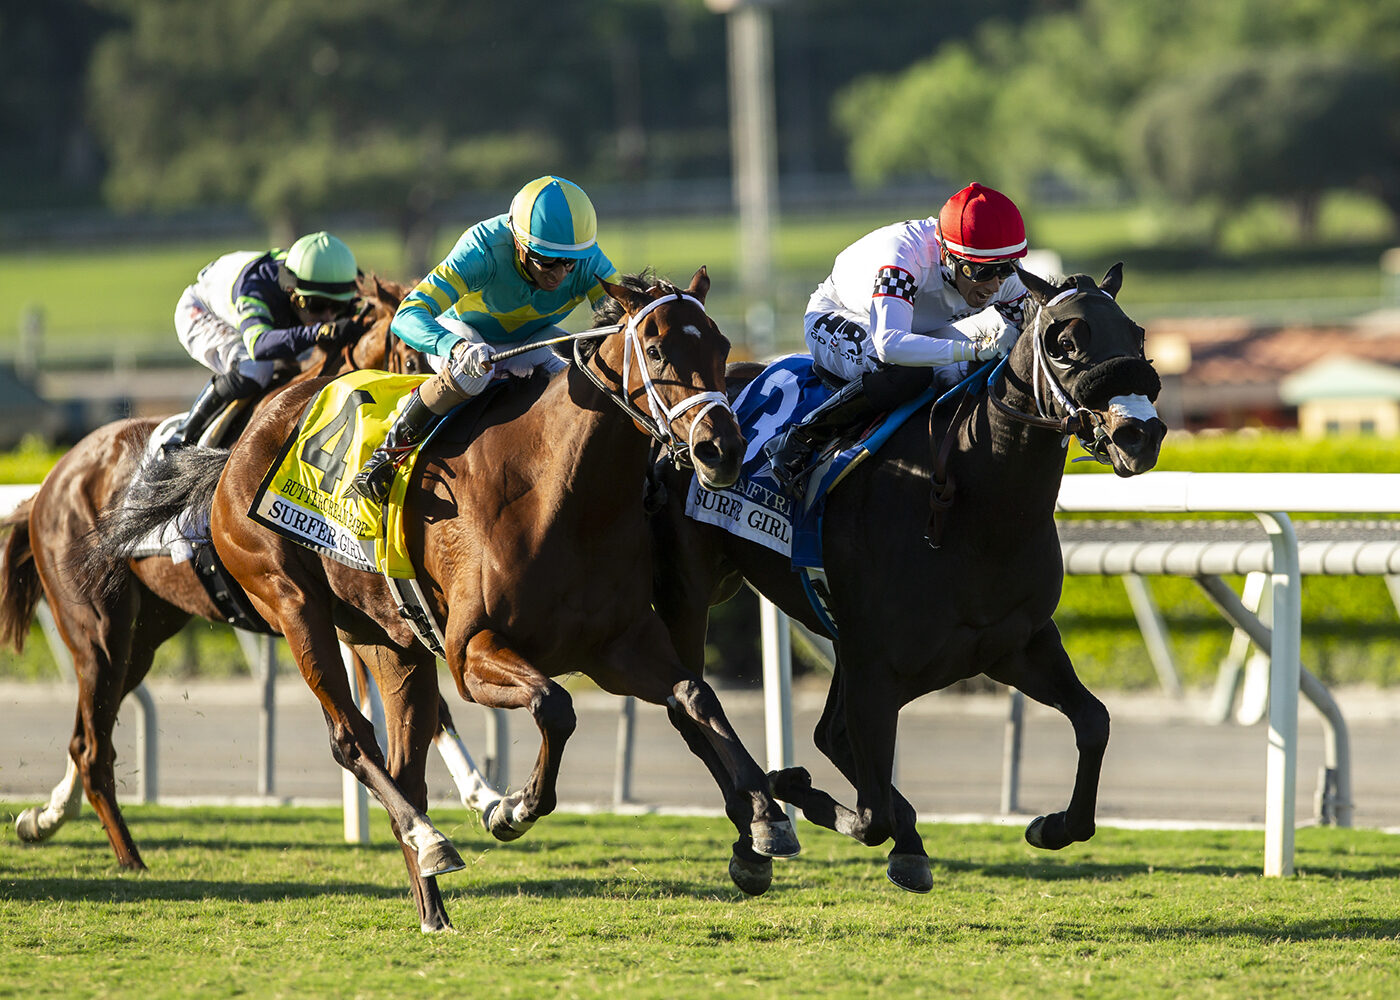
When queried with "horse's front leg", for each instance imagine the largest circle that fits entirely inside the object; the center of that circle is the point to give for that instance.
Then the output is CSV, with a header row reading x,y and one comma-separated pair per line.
x,y
693,708
496,676
312,638
908,865
408,687
1045,674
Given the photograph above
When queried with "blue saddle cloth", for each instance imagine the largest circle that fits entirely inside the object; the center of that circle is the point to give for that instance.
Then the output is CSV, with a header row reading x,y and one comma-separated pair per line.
x,y
756,507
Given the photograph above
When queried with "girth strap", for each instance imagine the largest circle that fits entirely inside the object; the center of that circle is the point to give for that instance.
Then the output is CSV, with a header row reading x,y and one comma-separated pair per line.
x,y
233,604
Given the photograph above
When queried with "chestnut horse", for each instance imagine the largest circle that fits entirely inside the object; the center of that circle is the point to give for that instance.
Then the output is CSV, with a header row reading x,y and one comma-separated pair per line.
x,y
525,525
912,618
113,634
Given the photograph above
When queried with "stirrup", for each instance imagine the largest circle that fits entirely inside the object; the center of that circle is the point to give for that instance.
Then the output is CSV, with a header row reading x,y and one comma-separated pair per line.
x,y
376,480
788,469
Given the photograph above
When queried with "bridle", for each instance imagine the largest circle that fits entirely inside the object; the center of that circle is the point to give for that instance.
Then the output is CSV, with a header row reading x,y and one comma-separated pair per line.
x,y
1075,419
660,423
1062,414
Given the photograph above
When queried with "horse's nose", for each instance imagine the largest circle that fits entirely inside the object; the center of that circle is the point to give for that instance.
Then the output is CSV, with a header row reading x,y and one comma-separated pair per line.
x,y
717,466
1138,437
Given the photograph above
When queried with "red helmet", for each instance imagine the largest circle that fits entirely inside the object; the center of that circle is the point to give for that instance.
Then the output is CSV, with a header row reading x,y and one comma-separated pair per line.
x,y
979,224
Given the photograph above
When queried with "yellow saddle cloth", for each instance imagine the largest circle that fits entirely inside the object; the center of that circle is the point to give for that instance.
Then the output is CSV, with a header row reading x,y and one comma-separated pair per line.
x,y
304,497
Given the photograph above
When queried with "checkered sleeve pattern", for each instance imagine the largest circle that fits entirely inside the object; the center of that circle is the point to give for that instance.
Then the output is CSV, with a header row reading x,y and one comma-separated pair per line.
x,y
895,281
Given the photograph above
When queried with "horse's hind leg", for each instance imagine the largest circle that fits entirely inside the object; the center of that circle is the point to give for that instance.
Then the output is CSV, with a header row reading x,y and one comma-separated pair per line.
x,y
1046,675
111,655
496,676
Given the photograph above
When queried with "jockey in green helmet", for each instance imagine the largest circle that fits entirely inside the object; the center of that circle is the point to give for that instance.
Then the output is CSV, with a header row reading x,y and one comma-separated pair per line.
x,y
248,310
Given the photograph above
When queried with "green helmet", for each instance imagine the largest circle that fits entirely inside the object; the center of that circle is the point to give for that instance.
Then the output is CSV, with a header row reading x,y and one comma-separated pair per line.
x,y
321,265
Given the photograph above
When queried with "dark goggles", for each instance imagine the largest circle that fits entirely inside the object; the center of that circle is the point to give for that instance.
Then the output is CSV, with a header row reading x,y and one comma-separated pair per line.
x,y
550,263
319,305
973,271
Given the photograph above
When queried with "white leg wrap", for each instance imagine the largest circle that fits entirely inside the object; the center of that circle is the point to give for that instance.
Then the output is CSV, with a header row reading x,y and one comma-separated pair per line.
x,y
472,785
65,803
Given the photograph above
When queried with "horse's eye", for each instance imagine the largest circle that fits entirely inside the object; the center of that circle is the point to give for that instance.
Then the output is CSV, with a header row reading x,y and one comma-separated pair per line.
x,y
654,352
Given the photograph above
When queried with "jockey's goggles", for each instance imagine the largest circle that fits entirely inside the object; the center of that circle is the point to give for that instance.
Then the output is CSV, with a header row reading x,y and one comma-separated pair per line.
x,y
319,305
550,263
975,272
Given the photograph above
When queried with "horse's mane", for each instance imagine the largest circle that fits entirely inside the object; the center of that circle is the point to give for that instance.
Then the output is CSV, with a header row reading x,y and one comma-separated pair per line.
x,y
384,294
607,310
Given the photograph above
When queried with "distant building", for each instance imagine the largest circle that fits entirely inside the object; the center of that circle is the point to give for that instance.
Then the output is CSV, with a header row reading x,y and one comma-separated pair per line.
x,y
1229,373
1345,396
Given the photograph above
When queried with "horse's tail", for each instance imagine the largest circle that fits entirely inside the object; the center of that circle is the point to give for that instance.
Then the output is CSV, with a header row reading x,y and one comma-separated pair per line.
x,y
178,483
19,578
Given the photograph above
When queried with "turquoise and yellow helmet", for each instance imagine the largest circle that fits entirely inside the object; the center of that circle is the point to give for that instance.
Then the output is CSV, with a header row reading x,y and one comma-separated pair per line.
x,y
321,265
552,217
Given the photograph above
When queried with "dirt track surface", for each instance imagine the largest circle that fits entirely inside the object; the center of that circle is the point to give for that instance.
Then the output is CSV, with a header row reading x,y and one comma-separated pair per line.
x,y
1163,763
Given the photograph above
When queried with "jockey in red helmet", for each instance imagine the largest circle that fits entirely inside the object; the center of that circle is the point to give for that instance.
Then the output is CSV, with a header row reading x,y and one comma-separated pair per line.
x,y
904,300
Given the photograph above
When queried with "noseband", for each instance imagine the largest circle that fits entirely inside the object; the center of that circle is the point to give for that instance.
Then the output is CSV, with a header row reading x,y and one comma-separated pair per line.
x,y
660,423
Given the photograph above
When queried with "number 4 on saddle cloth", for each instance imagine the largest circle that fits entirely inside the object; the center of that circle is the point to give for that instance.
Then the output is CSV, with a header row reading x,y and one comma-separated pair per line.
x,y
756,507
306,496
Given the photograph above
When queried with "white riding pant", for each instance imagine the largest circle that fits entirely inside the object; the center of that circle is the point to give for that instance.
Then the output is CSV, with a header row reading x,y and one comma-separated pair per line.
x,y
213,343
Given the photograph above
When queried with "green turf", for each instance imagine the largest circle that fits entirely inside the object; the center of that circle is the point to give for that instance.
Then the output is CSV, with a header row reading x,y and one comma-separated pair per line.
x,y
270,903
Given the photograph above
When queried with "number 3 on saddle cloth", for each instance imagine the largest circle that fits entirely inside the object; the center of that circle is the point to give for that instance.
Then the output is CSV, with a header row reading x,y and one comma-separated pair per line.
x,y
756,508
304,497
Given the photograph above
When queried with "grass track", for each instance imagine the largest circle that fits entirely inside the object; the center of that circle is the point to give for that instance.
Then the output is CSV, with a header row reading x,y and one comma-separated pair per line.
x,y
268,902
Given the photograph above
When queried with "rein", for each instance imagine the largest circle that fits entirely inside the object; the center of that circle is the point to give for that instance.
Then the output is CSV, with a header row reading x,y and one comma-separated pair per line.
x,y
1076,421
660,423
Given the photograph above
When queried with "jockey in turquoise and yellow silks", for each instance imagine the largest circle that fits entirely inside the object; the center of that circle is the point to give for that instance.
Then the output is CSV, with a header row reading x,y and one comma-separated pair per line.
x,y
509,281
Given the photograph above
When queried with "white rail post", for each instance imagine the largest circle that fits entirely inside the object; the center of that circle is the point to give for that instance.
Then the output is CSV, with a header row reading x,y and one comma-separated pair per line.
x,y
777,688
1284,680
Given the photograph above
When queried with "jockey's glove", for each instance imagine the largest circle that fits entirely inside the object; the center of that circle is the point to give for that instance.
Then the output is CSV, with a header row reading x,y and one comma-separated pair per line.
x,y
471,358
989,332
338,332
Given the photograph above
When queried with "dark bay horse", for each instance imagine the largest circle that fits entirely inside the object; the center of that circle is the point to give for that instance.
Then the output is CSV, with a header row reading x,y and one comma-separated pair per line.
x,y
113,634
526,527
913,618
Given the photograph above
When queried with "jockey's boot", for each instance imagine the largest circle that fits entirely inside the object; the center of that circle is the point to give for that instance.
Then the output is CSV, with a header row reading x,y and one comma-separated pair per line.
x,y
791,451
410,427
207,406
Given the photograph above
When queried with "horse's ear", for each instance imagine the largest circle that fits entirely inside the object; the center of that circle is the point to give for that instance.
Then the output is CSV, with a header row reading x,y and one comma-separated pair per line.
x,y
1041,290
631,300
700,284
1113,280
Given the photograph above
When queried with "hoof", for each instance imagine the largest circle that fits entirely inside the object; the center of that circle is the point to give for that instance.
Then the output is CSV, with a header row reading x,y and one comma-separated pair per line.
x,y
910,872
27,826
498,824
775,840
752,877
788,782
440,858
1051,833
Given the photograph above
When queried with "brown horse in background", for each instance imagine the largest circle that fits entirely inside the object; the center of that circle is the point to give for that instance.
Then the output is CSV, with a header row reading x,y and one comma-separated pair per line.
x,y
113,634
526,526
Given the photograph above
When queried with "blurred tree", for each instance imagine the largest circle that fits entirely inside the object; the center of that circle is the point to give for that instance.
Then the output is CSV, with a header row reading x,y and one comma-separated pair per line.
x,y
1290,126
299,107
1051,94
47,154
